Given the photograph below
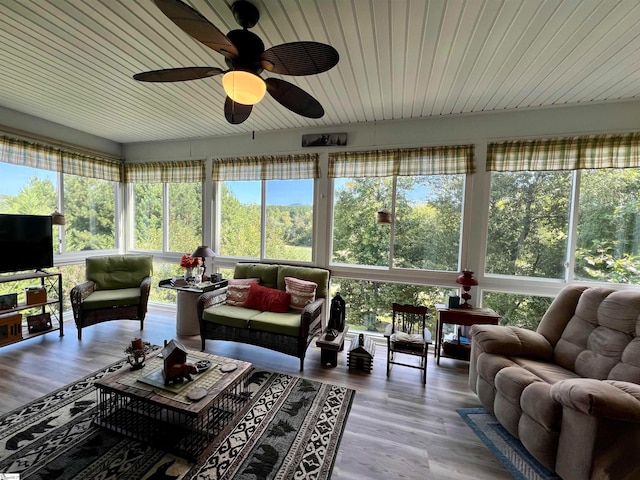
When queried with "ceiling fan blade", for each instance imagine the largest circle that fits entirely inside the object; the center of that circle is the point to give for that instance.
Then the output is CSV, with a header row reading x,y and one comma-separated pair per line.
x,y
196,25
236,113
294,98
177,74
299,58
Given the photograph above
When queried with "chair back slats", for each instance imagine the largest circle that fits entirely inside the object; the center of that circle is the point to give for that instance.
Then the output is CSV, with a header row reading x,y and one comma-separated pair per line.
x,y
409,318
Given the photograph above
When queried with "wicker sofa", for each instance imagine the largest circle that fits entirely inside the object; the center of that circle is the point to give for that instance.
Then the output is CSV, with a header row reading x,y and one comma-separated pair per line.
x,y
288,332
570,391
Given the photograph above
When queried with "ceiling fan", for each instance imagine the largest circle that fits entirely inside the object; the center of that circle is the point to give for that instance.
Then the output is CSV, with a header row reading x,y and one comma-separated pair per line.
x,y
246,57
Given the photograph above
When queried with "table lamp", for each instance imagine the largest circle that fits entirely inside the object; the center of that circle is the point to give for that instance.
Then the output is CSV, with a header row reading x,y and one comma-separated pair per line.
x,y
203,252
467,281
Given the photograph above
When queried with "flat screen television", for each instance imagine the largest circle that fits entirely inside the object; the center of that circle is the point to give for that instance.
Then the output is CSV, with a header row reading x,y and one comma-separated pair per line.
x,y
26,242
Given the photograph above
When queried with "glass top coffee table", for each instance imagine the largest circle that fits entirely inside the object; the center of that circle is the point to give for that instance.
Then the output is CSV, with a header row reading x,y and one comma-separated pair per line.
x,y
182,418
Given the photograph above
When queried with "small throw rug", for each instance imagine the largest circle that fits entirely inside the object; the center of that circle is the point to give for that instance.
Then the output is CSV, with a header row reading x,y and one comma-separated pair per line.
x,y
505,446
291,429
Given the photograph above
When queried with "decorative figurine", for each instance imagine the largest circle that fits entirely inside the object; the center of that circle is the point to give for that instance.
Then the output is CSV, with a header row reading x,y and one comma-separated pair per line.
x,y
176,368
137,353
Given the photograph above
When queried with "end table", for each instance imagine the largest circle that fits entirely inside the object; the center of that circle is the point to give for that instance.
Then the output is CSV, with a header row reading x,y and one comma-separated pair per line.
x,y
460,316
329,348
187,321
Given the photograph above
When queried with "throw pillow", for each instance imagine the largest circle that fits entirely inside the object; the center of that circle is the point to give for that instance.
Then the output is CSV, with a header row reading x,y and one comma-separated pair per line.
x,y
238,289
302,292
267,299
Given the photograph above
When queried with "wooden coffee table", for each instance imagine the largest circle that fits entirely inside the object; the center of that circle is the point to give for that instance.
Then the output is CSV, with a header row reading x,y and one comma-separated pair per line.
x,y
132,403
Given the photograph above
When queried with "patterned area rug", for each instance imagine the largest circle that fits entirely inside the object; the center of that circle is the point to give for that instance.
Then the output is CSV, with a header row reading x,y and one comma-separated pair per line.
x,y
291,429
505,446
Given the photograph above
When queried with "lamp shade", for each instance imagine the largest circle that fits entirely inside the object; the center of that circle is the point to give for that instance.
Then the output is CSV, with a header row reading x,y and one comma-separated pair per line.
x,y
244,87
203,251
466,279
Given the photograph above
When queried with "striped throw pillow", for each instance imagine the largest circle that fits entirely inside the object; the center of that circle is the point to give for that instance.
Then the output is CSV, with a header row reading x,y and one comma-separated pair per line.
x,y
238,289
302,292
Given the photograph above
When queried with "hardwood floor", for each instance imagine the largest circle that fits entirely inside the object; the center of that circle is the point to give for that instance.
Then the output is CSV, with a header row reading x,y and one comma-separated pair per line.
x,y
397,428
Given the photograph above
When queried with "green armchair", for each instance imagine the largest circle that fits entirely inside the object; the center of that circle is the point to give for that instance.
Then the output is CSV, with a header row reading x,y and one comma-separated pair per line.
x,y
117,288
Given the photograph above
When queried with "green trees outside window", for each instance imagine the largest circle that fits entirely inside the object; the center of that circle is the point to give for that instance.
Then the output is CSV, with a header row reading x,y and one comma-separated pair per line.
x,y
530,224
90,213
426,226
288,229
89,205
183,218
426,236
608,240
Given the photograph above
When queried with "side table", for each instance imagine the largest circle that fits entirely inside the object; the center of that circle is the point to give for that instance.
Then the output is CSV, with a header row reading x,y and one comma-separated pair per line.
x,y
329,348
460,316
187,321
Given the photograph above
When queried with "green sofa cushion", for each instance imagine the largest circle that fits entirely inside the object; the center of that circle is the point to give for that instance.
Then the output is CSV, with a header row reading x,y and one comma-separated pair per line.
x,y
112,298
280,323
229,315
118,271
268,274
311,274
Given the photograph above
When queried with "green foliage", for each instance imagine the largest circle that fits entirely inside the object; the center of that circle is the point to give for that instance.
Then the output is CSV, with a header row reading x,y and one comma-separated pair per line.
x,y
240,225
357,239
185,217
528,223
37,197
524,311
148,216
368,304
608,244
90,212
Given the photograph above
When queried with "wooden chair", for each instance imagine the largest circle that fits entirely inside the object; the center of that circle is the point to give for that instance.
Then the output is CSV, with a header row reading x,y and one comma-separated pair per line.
x,y
407,334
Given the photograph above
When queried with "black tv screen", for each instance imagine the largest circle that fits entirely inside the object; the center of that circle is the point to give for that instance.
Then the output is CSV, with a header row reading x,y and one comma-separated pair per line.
x,y
26,242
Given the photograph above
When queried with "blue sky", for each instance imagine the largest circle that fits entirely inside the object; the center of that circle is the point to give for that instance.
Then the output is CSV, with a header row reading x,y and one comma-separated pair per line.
x,y
13,177
279,192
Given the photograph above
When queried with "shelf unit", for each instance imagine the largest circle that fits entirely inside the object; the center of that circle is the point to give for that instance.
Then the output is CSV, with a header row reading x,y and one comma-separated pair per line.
x,y
52,283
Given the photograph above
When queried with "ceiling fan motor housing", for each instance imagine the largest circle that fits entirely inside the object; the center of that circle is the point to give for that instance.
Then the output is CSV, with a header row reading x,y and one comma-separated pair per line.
x,y
250,47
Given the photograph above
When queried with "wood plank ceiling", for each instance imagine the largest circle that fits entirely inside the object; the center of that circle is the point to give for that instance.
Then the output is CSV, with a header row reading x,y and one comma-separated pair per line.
x,y
71,61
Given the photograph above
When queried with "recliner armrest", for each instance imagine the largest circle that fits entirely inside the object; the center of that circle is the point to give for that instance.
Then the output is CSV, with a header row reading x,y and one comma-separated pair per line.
x,y
513,341
610,399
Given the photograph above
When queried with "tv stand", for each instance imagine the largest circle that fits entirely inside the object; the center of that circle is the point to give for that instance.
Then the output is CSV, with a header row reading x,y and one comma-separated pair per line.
x,y
51,306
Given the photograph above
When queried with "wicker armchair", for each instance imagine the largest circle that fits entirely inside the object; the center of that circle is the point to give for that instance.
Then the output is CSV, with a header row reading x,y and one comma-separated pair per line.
x,y
117,288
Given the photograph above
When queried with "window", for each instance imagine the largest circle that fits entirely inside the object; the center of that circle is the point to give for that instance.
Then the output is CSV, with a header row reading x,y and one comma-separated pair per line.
x,y
40,179
424,190
357,239
266,206
428,222
166,205
147,216
90,213
545,191
289,210
368,303
524,311
528,223
608,239
27,190
240,223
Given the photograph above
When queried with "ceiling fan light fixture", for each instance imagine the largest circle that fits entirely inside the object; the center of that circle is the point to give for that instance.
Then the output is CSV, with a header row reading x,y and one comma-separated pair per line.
x,y
244,87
